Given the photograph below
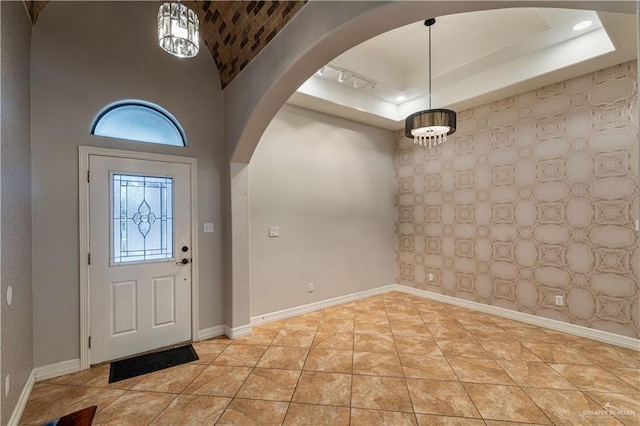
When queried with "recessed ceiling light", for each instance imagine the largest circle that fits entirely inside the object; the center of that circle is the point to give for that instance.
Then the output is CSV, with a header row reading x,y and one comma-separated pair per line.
x,y
582,25
401,98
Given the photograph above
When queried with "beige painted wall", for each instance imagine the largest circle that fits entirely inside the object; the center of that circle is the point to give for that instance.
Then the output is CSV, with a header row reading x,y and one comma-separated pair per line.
x,y
328,184
17,326
534,196
86,55
237,297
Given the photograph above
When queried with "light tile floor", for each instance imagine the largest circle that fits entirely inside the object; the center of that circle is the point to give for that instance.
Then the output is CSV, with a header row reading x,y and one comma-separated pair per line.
x,y
393,359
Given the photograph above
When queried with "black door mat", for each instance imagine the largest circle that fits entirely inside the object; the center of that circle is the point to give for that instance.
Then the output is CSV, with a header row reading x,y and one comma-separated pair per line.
x,y
143,364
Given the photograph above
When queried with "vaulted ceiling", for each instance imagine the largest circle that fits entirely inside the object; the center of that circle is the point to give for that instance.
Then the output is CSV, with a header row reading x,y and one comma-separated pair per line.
x,y
233,31
481,56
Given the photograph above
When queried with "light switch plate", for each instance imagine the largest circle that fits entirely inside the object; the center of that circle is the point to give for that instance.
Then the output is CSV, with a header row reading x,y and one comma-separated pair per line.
x,y
274,231
208,227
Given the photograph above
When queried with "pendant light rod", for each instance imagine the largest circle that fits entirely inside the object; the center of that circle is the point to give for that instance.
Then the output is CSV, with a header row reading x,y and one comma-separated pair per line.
x,y
428,23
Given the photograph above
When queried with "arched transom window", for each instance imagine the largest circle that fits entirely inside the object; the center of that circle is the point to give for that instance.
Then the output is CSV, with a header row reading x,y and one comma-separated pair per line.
x,y
140,121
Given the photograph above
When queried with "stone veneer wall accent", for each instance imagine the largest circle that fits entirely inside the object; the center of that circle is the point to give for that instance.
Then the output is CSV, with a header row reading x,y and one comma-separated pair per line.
x,y
236,31
34,8
534,196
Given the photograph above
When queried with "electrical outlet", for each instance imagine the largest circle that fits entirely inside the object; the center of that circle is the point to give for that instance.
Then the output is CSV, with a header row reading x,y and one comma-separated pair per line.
x,y
274,231
208,227
559,300
310,287
430,276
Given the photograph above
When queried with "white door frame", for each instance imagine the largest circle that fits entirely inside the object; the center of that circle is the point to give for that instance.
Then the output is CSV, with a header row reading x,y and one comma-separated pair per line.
x,y
83,181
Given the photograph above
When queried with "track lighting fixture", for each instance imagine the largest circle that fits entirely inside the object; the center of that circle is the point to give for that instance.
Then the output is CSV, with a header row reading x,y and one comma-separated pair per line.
x,y
359,81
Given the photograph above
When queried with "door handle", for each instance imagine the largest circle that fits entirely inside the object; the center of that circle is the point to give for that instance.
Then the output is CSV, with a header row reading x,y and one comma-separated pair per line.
x,y
183,261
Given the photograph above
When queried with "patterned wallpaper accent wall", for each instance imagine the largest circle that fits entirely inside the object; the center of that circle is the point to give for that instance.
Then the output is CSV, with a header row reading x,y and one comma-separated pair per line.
x,y
534,196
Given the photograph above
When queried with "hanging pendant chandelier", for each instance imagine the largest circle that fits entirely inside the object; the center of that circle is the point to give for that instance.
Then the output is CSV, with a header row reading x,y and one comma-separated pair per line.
x,y
432,126
178,30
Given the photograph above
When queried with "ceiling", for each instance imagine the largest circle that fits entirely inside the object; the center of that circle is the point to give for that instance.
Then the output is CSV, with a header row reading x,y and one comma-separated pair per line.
x,y
478,57
233,31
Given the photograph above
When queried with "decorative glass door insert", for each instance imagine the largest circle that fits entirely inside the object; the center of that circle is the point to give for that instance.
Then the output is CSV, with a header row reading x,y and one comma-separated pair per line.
x,y
142,221
139,220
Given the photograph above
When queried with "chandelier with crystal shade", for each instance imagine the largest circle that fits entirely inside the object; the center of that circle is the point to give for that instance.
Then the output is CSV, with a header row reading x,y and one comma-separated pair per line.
x,y
432,126
178,28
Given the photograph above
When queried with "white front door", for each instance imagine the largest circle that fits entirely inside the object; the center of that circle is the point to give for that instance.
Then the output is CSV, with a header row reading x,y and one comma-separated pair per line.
x,y
140,252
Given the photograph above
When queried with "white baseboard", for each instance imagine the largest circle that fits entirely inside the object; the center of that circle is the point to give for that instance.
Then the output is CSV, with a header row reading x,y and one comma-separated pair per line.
x,y
220,330
73,366
573,329
56,370
576,330
232,333
311,307
208,333
22,401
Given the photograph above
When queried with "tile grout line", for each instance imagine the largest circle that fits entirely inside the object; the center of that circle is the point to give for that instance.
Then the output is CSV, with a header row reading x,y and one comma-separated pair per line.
x,y
353,354
232,398
404,377
608,363
165,407
475,342
301,371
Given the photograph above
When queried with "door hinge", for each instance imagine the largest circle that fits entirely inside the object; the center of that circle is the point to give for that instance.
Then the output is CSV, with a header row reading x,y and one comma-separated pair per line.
x,y
89,342
89,258
88,176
